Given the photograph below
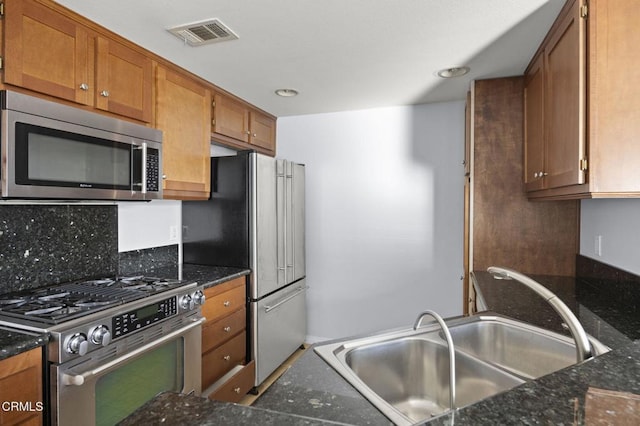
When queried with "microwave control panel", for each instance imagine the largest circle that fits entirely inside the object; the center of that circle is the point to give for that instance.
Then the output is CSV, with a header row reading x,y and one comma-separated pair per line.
x,y
153,170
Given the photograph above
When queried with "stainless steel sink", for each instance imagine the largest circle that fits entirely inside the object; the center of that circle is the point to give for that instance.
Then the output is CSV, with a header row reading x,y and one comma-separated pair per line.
x,y
405,373
516,347
412,374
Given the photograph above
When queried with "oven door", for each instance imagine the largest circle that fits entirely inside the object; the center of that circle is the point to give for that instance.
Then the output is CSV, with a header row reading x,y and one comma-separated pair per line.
x,y
107,389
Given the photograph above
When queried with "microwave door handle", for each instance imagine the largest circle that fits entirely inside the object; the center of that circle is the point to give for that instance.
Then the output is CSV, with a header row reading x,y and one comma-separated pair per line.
x,y
79,379
144,168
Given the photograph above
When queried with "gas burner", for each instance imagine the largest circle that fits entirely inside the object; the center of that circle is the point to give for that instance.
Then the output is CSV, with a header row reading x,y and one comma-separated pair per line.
x,y
92,303
53,296
43,311
11,301
103,282
63,302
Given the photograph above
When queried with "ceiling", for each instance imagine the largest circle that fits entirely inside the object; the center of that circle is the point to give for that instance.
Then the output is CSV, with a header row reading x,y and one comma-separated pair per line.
x,y
339,54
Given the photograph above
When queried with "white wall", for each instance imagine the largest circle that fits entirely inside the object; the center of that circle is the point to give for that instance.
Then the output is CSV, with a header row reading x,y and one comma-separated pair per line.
x,y
145,225
617,222
384,210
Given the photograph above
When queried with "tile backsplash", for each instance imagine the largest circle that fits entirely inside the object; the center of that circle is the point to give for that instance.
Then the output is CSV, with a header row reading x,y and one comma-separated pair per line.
x,y
50,244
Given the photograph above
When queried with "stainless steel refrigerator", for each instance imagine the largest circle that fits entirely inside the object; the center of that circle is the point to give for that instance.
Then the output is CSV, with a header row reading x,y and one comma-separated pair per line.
x,y
255,219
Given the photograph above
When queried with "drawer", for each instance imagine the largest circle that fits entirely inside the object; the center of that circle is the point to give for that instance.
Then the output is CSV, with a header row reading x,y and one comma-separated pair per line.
x,y
214,333
220,360
235,385
219,303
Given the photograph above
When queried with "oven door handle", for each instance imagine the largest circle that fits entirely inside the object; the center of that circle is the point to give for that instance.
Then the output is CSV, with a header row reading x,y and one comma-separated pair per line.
x,y
79,379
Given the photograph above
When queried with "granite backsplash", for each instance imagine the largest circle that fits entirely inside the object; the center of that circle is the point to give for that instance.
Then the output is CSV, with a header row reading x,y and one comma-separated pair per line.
x,y
49,244
45,244
147,261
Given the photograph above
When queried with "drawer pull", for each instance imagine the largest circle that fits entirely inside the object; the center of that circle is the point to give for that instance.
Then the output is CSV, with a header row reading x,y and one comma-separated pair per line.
x,y
227,303
227,329
227,357
237,390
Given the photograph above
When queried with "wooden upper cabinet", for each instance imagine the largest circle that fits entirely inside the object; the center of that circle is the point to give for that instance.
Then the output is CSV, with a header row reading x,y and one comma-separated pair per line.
x,y
565,101
51,53
589,108
124,80
534,125
554,124
230,117
238,124
47,52
183,111
262,131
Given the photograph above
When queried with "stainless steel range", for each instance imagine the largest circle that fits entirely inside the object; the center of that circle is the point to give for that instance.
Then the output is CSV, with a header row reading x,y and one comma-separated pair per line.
x,y
115,343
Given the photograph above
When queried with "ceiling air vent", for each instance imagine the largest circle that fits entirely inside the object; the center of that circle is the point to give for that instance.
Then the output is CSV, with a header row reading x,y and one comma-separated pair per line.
x,y
199,33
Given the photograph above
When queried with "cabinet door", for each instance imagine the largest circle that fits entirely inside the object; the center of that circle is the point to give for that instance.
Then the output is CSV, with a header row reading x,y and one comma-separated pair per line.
x,y
534,125
123,80
47,52
183,114
21,380
230,118
565,101
263,131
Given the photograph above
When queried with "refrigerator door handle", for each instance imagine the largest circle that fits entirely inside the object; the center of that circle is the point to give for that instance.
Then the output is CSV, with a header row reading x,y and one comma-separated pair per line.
x,y
286,299
289,234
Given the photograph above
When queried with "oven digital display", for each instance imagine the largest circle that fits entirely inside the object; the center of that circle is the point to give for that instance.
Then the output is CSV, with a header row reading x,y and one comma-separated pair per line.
x,y
140,318
146,312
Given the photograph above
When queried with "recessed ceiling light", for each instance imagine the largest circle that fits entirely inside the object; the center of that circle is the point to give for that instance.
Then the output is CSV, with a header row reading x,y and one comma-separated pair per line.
x,y
453,72
286,93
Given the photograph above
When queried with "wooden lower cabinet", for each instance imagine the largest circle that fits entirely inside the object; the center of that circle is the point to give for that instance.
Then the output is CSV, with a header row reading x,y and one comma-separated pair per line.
x,y
235,385
226,375
21,384
223,358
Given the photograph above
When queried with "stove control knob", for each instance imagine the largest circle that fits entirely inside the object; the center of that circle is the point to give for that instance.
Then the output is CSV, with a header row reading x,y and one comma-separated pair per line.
x,y
101,335
199,297
187,302
78,344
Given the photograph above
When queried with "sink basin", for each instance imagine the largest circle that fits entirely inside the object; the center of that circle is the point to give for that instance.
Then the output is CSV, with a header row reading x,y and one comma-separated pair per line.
x,y
518,348
405,373
412,374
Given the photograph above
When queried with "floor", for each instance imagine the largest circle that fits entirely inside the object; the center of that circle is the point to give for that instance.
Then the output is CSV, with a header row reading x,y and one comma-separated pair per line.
x,y
250,398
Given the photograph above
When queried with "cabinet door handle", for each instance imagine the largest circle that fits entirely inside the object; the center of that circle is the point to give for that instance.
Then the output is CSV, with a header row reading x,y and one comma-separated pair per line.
x,y
104,93
227,303
84,86
237,390
227,329
227,357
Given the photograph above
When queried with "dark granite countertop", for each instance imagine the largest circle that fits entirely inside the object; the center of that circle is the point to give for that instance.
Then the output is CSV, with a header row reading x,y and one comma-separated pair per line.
x,y
311,391
14,342
175,409
608,312
209,276
205,275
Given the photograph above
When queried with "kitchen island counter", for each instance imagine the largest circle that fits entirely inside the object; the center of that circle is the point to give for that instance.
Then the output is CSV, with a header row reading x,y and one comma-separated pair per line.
x,y
313,391
175,409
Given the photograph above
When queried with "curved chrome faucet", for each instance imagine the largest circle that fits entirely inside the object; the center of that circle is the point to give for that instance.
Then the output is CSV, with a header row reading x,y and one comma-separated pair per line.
x,y
583,348
452,357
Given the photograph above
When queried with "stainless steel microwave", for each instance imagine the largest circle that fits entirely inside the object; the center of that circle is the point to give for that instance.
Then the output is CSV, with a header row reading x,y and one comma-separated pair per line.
x,y
53,151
